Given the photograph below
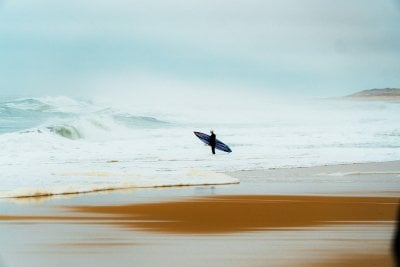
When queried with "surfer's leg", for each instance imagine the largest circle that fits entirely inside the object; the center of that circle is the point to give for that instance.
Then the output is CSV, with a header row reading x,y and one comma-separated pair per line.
x,y
213,149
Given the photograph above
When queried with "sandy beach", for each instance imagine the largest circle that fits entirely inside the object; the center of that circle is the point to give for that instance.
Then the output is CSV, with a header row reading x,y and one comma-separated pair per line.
x,y
199,133
345,218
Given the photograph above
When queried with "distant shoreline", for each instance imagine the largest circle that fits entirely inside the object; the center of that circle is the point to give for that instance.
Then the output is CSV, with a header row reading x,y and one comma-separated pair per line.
x,y
386,94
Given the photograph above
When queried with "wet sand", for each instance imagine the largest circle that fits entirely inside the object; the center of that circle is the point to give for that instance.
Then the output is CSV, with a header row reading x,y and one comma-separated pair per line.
x,y
234,213
237,225
229,214
356,261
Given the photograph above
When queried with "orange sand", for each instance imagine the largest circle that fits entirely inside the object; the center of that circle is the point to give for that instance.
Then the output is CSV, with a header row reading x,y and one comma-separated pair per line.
x,y
236,213
224,214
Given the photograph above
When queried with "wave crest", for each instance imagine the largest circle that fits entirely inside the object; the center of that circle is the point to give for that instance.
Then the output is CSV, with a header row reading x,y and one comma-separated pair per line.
x,y
66,131
47,104
144,121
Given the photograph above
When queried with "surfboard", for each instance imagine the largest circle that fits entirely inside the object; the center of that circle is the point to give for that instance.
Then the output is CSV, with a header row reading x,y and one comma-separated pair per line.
x,y
205,138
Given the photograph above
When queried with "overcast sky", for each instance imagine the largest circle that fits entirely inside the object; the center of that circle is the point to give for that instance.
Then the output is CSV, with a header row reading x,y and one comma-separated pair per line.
x,y
317,47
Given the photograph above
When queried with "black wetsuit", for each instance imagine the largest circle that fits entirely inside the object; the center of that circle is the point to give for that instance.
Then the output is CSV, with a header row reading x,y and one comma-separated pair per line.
x,y
212,142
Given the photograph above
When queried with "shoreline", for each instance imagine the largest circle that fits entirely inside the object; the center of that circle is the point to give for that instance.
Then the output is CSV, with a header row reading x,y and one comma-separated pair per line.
x,y
375,165
383,168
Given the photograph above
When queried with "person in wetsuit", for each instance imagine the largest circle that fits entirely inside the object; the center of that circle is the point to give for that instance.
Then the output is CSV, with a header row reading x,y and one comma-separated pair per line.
x,y
213,141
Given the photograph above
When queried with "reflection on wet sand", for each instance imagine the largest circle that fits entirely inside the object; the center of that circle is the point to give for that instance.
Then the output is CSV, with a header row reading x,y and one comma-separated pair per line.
x,y
225,214
336,225
235,213
366,260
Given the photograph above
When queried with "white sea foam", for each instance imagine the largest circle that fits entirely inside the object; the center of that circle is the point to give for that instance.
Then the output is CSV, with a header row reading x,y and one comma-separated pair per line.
x,y
74,183
63,145
341,174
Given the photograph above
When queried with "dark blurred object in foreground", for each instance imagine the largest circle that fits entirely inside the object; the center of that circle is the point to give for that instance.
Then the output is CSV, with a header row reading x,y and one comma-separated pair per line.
x,y
396,241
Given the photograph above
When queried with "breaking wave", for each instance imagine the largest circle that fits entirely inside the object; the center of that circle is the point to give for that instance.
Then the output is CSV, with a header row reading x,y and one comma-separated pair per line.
x,y
48,145
66,131
69,118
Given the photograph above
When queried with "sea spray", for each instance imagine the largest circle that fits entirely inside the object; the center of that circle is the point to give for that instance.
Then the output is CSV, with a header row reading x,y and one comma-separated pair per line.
x,y
51,144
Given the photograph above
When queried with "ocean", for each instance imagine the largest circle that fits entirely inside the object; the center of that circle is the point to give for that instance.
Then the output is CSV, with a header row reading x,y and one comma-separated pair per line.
x,y
63,145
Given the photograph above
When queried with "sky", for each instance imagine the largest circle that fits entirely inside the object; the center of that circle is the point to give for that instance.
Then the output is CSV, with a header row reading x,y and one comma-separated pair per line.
x,y
312,47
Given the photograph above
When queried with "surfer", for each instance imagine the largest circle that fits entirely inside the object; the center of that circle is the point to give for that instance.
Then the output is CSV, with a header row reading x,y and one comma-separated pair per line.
x,y
213,142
